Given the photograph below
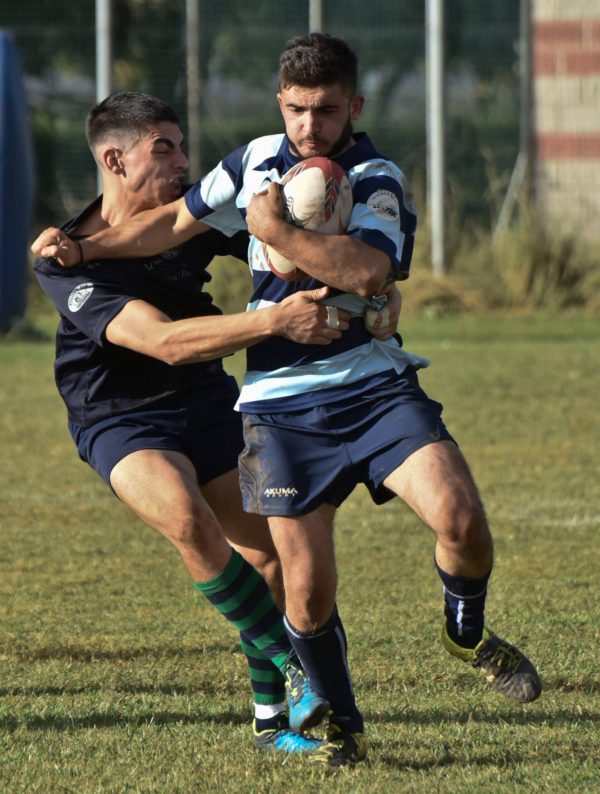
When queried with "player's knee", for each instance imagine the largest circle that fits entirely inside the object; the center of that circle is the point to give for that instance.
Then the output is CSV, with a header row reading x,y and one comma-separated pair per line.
x,y
311,605
462,523
193,527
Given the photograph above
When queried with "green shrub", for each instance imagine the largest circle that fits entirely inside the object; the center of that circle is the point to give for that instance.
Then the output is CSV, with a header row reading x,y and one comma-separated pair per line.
x,y
531,265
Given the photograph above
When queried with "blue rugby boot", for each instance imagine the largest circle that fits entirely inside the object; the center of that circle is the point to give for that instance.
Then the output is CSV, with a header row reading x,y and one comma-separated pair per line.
x,y
278,736
506,668
306,707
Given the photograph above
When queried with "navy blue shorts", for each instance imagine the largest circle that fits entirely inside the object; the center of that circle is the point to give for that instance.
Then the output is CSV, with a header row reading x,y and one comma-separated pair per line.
x,y
209,434
294,462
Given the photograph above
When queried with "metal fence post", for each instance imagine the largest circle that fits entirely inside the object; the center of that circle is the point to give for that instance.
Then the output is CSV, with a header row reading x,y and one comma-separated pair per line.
x,y
103,57
194,86
315,16
436,133
103,49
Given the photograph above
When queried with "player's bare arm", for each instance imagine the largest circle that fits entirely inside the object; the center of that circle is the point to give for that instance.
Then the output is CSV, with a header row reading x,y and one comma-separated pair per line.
x,y
324,257
145,234
142,327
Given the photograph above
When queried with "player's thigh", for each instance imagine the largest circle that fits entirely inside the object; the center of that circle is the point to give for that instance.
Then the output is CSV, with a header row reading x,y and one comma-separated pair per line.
x,y
305,546
160,486
435,481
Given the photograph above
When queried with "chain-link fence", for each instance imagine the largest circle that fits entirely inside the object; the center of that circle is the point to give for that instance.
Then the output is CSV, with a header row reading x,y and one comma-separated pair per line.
x,y
239,44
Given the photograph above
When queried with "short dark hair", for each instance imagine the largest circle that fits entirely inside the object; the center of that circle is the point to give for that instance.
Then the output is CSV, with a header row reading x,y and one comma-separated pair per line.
x,y
318,59
128,112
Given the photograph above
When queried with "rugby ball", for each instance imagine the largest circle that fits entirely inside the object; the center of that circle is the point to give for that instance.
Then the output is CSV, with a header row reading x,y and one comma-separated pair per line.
x,y
317,196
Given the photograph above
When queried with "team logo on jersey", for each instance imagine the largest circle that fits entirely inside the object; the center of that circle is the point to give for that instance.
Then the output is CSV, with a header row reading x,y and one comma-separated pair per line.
x,y
385,205
79,296
275,492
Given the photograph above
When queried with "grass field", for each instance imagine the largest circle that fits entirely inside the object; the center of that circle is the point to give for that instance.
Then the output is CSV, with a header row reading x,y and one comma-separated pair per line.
x,y
116,677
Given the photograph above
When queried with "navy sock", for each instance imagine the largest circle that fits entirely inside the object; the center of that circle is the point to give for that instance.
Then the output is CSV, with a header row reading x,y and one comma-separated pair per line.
x,y
323,654
464,600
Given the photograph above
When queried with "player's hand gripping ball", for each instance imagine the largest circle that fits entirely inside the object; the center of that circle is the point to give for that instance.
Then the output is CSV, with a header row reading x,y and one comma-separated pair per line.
x,y
317,196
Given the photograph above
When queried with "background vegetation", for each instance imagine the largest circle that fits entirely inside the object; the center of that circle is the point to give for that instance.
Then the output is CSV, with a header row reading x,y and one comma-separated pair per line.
x,y
529,267
239,50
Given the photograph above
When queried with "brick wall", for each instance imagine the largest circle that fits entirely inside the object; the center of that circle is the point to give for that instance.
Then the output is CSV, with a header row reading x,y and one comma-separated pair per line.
x,y
566,89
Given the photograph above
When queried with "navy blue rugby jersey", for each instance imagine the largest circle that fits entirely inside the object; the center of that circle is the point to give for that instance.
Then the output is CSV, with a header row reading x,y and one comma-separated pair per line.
x,y
97,379
283,375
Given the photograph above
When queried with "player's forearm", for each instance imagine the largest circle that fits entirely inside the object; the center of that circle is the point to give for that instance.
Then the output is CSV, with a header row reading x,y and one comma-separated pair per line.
x,y
337,260
207,338
301,317
145,234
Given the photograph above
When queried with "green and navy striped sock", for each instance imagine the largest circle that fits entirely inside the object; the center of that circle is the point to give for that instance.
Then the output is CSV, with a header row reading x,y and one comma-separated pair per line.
x,y
268,684
241,595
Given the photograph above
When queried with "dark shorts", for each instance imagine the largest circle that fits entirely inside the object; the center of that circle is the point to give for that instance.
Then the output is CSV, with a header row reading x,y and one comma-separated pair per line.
x,y
209,434
295,462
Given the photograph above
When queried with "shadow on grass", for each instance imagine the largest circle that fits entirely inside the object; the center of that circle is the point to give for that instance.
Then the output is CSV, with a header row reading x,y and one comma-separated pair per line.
x,y
504,759
100,721
170,690
438,717
527,715
447,759
76,654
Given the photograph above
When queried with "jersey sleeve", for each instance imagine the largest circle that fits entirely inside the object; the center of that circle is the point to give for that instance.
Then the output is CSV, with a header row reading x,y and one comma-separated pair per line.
x,y
84,299
384,214
213,200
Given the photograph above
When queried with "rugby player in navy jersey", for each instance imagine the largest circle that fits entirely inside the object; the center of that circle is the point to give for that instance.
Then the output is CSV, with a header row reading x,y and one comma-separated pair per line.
x,y
319,421
150,406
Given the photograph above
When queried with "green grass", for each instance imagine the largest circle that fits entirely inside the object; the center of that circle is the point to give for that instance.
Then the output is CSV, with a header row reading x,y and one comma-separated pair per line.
x,y
115,676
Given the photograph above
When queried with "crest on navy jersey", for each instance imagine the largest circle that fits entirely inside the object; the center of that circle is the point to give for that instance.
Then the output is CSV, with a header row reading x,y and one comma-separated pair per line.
x,y
79,296
385,205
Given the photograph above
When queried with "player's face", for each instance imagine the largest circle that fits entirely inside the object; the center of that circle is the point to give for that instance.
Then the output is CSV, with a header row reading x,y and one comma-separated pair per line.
x,y
155,165
318,121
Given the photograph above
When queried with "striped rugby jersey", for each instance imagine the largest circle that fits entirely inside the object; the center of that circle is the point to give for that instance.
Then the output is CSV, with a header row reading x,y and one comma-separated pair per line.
x,y
284,375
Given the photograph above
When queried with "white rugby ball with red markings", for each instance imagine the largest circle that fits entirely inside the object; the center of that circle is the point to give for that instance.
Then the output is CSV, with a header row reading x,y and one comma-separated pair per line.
x,y
317,196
